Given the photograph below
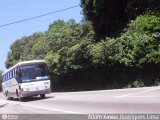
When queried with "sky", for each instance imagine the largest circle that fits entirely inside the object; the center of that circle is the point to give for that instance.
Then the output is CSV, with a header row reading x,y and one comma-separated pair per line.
x,y
15,10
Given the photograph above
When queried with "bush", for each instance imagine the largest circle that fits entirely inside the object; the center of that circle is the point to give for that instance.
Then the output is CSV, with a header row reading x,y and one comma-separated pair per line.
x,y
138,83
157,82
140,42
103,53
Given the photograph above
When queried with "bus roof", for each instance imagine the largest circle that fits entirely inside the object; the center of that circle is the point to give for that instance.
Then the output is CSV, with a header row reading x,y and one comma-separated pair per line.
x,y
23,63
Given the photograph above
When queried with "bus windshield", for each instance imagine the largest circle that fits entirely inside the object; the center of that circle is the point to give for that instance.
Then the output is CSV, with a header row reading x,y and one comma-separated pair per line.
x,y
34,72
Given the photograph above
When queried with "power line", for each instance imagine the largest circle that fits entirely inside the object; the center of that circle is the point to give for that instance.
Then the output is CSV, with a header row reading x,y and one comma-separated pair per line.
x,y
43,15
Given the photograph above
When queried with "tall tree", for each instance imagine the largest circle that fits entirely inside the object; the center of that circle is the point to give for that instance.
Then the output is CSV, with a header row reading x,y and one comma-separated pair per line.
x,y
109,17
21,49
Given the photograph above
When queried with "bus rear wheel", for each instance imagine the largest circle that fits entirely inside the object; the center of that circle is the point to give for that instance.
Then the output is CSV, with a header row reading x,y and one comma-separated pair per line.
x,y
42,96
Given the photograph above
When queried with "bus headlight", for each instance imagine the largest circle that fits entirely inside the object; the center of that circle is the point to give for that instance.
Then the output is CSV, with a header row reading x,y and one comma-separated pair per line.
x,y
22,89
25,89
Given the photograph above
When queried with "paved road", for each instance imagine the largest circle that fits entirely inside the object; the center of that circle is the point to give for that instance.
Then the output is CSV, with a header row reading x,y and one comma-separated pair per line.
x,y
123,101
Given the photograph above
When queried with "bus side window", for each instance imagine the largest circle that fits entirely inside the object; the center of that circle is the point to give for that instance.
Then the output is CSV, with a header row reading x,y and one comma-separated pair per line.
x,y
13,73
7,75
3,79
10,74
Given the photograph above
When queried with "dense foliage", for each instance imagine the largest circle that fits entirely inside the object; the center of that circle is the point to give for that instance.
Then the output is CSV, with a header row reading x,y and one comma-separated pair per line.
x,y
127,56
109,17
25,49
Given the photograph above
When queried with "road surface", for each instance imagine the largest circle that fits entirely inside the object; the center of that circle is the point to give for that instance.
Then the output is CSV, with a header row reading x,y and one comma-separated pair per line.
x,y
121,101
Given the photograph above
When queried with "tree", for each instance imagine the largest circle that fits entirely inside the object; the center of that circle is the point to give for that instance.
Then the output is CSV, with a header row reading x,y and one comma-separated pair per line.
x,y
21,49
61,58
139,44
61,34
110,17
40,48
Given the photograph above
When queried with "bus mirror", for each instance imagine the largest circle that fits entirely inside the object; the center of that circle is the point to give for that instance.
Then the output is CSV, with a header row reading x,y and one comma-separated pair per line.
x,y
18,75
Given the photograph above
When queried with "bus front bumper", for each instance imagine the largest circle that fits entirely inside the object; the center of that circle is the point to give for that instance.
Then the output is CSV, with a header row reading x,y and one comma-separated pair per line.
x,y
34,93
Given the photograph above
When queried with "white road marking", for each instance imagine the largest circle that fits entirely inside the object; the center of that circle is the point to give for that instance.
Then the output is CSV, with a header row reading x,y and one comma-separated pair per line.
x,y
38,107
144,96
137,93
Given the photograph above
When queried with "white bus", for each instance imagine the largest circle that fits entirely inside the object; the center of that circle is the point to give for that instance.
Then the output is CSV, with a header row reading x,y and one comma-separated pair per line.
x,y
25,79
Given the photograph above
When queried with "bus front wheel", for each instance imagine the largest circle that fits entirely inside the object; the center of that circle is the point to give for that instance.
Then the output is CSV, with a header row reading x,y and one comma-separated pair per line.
x,y
42,96
21,99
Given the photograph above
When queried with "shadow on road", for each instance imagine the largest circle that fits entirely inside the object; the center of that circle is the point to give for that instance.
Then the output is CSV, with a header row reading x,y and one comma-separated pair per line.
x,y
33,98
3,105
